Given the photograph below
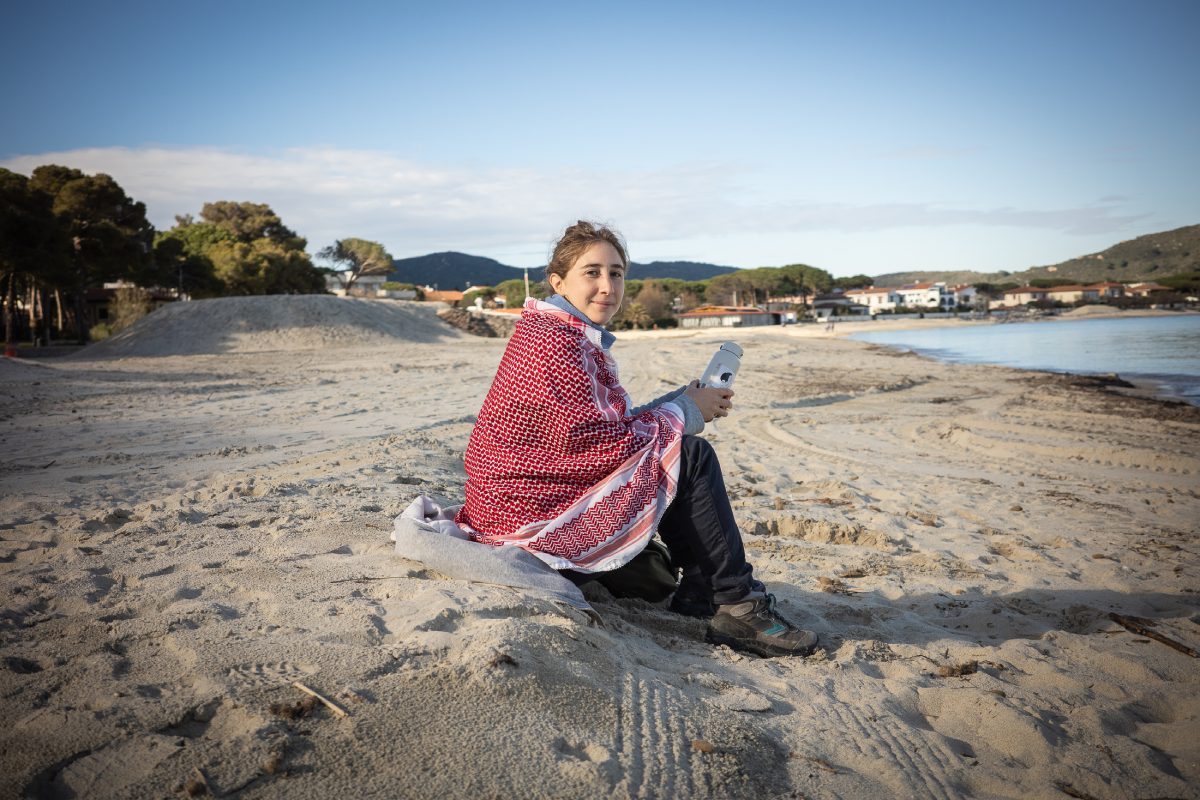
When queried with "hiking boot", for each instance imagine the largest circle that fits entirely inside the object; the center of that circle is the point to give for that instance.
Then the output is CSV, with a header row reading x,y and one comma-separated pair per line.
x,y
755,626
692,602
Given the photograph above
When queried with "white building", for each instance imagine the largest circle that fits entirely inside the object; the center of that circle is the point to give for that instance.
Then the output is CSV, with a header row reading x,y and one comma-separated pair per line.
x,y
876,300
964,294
927,295
364,285
726,317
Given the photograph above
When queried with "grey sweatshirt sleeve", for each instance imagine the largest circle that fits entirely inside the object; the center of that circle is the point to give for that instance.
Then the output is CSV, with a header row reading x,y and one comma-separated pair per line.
x,y
693,420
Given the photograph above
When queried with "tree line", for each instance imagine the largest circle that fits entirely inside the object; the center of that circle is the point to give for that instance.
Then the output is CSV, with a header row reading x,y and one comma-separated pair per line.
x,y
654,301
63,232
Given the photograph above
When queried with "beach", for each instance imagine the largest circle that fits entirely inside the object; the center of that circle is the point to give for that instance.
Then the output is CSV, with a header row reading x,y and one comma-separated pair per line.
x,y
1002,566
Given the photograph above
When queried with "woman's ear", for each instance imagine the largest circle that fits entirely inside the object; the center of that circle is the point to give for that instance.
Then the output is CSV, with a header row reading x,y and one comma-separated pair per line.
x,y
556,282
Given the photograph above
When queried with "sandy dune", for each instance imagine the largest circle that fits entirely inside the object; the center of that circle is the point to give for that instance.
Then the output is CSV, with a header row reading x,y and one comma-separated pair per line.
x,y
184,536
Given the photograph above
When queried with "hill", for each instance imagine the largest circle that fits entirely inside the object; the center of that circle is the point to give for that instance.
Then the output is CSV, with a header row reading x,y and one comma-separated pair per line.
x,y
684,270
265,323
452,270
1151,257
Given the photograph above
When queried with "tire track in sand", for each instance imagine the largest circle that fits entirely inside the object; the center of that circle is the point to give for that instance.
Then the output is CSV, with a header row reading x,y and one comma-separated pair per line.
x,y
653,742
916,766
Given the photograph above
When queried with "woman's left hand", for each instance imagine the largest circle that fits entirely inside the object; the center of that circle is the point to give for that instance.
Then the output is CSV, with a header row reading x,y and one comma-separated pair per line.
x,y
712,402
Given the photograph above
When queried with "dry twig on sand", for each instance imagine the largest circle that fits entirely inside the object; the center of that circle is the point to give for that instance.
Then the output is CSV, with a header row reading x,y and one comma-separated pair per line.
x,y
332,706
365,578
1143,629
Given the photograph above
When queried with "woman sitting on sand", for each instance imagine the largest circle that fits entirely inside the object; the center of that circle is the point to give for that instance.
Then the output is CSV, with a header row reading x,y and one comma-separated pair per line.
x,y
561,464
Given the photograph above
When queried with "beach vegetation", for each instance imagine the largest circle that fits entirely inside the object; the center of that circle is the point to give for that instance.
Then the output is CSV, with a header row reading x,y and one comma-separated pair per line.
x,y
250,222
34,249
1184,282
633,315
108,233
514,291
854,282
129,304
182,254
654,300
487,293
236,249
354,258
399,286
754,286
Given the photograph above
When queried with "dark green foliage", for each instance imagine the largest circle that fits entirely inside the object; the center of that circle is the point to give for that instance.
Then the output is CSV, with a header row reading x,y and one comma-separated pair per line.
x,y
514,290
35,252
995,289
237,249
1184,282
250,222
109,234
755,285
32,243
854,282
182,255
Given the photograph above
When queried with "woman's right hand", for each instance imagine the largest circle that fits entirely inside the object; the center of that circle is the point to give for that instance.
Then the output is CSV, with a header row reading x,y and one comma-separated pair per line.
x,y
712,402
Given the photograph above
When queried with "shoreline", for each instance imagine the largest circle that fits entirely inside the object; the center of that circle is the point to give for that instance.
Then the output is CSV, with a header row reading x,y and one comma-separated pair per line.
x,y
1144,386
1158,386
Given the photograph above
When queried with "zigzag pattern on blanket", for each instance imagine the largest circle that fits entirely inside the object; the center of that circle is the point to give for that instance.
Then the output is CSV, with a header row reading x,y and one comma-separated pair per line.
x,y
579,540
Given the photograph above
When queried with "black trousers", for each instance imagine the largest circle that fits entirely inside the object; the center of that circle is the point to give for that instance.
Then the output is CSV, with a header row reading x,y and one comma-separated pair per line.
x,y
699,529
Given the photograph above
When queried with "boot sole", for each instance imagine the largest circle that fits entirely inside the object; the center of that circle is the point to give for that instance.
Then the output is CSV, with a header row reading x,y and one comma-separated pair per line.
x,y
754,646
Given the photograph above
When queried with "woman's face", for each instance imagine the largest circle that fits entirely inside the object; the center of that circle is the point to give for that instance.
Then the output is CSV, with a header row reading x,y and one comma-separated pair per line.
x,y
595,283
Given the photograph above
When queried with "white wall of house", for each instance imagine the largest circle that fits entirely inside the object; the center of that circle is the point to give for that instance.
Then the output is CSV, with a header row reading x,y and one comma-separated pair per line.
x,y
926,296
875,299
964,295
1022,296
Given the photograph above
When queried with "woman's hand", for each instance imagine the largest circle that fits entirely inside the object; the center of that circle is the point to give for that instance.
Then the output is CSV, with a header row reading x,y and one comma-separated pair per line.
x,y
711,402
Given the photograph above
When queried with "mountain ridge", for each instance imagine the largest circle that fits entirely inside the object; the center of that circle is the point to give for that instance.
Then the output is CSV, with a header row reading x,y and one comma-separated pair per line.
x,y
451,269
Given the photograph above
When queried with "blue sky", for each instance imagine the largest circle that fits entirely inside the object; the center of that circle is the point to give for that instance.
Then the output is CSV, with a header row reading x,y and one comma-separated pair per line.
x,y
866,137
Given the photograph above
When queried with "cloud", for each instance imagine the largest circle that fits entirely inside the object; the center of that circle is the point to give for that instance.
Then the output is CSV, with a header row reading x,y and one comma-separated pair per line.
x,y
329,193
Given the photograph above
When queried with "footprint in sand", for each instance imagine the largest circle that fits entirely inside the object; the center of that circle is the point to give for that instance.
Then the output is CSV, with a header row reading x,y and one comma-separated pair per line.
x,y
270,674
106,771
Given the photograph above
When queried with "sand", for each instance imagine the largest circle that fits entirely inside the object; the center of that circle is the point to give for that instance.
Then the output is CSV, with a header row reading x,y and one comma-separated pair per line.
x,y
191,522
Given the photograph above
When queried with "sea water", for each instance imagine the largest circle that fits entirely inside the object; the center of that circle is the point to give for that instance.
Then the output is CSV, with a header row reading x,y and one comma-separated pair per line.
x,y
1162,350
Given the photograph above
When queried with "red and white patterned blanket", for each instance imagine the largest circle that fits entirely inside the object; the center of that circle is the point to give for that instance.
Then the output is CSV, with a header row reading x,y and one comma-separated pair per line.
x,y
555,465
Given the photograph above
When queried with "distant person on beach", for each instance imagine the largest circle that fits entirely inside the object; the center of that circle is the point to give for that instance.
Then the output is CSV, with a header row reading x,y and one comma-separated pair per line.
x,y
561,463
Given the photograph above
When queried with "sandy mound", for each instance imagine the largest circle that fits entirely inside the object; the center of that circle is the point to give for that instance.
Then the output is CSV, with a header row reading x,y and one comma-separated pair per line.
x,y
274,322
1091,311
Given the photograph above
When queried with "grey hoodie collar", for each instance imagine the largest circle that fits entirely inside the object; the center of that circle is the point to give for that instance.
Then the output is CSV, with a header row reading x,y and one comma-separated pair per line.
x,y
558,301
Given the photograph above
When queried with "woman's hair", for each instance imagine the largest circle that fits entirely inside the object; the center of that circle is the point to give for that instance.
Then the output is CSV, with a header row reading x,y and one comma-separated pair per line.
x,y
576,239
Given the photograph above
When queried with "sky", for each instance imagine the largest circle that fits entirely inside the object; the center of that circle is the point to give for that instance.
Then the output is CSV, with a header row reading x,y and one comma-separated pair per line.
x,y
859,137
